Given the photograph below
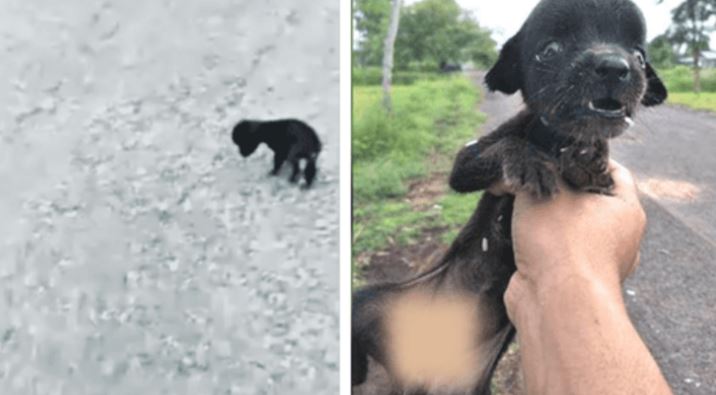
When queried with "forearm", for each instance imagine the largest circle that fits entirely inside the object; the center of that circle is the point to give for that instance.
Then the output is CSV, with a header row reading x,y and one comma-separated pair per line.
x,y
577,338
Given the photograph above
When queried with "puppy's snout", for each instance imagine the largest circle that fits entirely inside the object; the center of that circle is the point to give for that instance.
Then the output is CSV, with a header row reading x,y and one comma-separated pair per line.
x,y
612,68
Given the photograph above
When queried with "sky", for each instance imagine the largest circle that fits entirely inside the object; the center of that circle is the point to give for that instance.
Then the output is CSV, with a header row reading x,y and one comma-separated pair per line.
x,y
504,17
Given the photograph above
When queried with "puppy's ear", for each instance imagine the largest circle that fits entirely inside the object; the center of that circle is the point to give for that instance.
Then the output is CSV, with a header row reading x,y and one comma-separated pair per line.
x,y
655,90
506,75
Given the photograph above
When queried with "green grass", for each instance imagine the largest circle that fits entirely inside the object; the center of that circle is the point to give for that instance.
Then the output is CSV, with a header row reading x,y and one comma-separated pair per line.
x,y
680,83
681,79
396,222
373,76
431,120
700,101
456,209
390,222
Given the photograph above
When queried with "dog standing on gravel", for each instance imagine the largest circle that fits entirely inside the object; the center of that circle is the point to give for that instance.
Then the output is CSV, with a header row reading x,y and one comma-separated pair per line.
x,y
582,70
290,139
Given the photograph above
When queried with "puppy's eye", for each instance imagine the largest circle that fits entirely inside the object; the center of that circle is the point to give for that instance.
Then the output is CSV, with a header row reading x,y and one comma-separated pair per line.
x,y
550,50
640,58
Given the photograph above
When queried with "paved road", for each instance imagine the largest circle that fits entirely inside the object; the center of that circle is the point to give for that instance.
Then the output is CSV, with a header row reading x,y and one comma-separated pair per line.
x,y
138,253
672,297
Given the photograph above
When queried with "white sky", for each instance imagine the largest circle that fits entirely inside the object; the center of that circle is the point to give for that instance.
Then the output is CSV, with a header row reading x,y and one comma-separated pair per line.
x,y
504,17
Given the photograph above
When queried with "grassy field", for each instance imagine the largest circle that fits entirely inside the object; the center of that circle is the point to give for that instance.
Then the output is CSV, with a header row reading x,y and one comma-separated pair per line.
x,y
679,82
432,119
699,101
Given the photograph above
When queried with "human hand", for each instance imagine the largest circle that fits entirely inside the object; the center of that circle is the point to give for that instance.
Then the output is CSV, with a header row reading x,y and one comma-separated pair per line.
x,y
575,236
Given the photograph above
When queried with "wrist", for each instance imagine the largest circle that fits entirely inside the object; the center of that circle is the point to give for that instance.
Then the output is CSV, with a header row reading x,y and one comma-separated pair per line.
x,y
563,294
571,282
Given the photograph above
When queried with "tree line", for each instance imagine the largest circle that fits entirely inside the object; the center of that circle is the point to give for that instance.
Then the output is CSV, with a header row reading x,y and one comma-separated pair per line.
x,y
431,32
693,22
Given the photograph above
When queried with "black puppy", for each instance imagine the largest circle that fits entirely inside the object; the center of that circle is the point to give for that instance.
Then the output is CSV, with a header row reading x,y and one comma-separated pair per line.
x,y
290,139
582,71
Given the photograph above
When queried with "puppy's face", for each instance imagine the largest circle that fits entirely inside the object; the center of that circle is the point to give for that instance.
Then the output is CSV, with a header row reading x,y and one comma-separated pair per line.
x,y
581,65
244,137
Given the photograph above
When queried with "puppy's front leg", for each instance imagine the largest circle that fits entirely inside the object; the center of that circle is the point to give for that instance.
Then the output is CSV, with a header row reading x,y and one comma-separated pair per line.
x,y
511,159
472,171
279,157
296,170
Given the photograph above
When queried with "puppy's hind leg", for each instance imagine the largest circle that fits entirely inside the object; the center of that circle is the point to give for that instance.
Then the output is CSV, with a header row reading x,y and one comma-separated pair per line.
x,y
293,158
309,173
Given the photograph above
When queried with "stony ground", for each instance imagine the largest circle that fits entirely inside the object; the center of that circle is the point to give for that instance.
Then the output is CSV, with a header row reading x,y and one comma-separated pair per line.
x,y
139,253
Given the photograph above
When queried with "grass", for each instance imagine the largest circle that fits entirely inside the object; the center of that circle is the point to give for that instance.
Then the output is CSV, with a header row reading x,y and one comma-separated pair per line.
x,y
432,119
456,209
699,101
680,81
373,76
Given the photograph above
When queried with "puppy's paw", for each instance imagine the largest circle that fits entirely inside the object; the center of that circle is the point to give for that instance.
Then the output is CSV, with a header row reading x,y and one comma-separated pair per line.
x,y
585,169
537,176
602,183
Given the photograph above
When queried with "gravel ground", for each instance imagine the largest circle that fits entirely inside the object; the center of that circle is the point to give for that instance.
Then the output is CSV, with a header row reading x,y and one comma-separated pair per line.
x,y
140,254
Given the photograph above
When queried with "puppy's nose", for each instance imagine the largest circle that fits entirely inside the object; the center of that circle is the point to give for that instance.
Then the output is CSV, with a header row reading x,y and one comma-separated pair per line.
x,y
612,67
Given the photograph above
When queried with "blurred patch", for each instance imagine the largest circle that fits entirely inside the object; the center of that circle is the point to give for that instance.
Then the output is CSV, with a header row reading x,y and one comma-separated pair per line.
x,y
433,339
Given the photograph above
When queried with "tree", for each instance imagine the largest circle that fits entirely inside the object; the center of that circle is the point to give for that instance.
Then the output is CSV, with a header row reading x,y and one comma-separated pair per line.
x,y
661,52
431,31
388,53
438,31
691,28
371,19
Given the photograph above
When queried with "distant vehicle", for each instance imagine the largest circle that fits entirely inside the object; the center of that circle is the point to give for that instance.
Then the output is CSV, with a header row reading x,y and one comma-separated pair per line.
x,y
446,67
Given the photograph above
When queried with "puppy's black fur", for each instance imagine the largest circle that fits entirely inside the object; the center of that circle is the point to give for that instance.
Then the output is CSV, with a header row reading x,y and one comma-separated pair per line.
x,y
582,71
290,139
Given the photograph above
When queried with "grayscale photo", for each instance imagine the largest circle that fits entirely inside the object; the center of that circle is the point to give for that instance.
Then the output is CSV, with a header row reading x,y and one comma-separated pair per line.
x,y
170,197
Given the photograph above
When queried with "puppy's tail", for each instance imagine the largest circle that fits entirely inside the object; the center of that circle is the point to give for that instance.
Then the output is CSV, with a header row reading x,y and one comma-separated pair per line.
x,y
359,362
366,329
309,172
494,348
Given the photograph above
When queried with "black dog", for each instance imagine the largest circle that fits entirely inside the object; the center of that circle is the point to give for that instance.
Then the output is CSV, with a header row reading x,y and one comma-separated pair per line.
x,y
290,139
582,71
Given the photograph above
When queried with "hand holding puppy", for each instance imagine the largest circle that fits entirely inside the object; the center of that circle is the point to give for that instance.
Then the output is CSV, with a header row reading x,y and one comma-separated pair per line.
x,y
572,253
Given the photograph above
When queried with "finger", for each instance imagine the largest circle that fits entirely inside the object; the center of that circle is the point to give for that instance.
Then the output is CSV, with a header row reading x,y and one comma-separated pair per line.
x,y
635,264
513,295
500,188
624,183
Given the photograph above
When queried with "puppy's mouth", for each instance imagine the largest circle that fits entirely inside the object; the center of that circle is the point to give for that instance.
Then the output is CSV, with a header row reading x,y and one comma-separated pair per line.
x,y
608,108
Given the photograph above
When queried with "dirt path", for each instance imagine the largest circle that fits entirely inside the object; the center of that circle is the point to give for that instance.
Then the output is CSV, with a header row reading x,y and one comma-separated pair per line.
x,y
671,297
